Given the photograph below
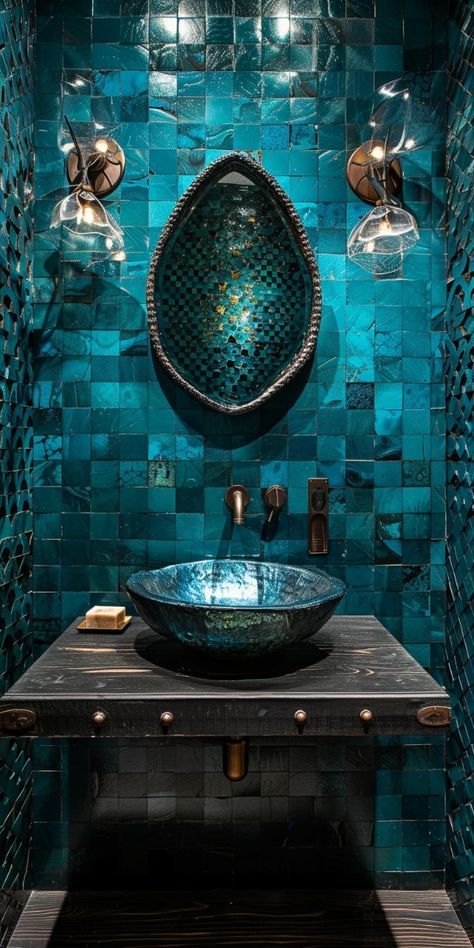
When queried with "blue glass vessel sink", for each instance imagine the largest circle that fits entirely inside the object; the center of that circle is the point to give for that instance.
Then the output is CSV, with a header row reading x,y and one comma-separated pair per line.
x,y
235,608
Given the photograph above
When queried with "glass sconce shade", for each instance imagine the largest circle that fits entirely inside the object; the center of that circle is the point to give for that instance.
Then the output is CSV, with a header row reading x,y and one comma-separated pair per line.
x,y
406,114
390,118
377,243
86,218
94,169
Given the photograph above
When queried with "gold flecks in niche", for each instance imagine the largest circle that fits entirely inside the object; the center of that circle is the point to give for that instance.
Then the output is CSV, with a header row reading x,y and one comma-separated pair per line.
x,y
235,298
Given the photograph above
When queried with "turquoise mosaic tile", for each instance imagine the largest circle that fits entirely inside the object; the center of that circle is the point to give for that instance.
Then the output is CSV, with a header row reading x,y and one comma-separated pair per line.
x,y
16,435
460,403
131,472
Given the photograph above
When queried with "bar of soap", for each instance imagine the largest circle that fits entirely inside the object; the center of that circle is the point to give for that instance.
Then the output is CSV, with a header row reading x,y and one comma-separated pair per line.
x,y
105,617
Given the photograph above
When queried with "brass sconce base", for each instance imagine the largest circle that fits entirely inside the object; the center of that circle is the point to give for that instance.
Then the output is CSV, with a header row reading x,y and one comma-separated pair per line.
x,y
105,167
235,757
357,168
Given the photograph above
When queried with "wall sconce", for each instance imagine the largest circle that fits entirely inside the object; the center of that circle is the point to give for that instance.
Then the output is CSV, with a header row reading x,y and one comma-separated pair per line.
x,y
379,241
92,175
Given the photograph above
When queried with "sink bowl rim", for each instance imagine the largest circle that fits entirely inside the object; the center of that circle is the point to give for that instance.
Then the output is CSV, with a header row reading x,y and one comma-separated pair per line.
x,y
338,588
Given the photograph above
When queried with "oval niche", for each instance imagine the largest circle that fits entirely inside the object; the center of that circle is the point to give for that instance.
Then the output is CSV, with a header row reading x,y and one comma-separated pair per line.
x,y
233,291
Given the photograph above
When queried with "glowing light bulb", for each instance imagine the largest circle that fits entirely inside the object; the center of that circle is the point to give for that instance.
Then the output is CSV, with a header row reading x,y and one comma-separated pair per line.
x,y
406,95
377,152
102,146
85,214
283,26
410,143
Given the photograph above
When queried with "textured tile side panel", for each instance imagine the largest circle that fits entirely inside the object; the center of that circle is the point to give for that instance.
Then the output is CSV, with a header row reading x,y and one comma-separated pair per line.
x,y
460,404
16,434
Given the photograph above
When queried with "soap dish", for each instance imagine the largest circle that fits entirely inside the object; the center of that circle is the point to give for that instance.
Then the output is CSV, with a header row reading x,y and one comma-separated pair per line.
x,y
82,627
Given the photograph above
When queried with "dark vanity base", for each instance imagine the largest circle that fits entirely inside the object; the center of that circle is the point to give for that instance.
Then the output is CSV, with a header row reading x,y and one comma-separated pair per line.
x,y
383,919
143,685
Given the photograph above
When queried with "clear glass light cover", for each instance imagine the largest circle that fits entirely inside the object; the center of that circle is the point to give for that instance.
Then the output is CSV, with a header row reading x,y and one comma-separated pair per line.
x,y
378,242
90,109
405,114
86,218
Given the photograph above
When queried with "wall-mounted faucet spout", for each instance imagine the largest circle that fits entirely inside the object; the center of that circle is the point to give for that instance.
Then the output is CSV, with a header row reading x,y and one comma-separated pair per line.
x,y
237,498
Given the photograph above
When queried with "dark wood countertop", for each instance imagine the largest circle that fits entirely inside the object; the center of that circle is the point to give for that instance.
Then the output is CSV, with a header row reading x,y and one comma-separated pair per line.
x,y
352,664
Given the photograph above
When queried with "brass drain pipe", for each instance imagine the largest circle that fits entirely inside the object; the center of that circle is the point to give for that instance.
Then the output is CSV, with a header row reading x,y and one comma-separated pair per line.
x,y
235,758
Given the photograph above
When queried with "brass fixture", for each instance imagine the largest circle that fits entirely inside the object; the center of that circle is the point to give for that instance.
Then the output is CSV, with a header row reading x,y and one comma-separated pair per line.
x,y
318,511
105,166
99,718
361,170
94,170
379,241
275,499
300,718
434,716
366,716
166,719
17,719
235,757
237,498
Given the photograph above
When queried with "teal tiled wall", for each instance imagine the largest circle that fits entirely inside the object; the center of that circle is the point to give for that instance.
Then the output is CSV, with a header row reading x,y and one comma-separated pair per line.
x,y
130,472
460,392
16,433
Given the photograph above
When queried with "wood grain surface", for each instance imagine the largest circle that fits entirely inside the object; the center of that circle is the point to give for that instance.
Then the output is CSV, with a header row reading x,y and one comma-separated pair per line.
x,y
241,919
351,664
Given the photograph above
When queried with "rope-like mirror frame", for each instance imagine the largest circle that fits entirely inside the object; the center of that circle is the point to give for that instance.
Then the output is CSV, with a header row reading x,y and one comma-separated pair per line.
x,y
237,161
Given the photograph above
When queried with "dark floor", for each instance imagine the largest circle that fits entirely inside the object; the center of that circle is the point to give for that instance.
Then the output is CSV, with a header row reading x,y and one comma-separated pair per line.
x,y
305,919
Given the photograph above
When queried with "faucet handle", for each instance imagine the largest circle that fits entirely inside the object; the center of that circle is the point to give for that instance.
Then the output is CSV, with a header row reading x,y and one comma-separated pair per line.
x,y
274,498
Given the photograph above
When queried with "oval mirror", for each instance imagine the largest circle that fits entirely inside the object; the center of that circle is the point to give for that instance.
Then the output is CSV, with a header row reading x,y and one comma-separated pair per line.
x,y
233,291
